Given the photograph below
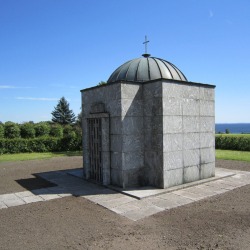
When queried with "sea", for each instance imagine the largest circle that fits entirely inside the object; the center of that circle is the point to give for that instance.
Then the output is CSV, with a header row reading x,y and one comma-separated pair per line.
x,y
234,128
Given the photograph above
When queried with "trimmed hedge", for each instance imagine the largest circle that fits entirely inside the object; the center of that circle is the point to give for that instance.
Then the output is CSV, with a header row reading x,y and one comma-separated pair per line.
x,y
41,144
11,130
27,130
56,130
233,142
1,131
42,129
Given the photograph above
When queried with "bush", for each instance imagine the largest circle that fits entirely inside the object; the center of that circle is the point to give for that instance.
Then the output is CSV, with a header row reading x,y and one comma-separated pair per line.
x,y
11,130
1,131
233,142
41,144
67,130
42,129
27,130
50,138
20,145
56,130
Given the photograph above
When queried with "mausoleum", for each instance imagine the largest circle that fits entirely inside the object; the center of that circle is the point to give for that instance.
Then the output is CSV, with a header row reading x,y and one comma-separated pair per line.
x,y
148,126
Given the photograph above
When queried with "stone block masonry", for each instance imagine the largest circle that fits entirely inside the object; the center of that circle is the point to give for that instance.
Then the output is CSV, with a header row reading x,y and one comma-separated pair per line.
x,y
158,133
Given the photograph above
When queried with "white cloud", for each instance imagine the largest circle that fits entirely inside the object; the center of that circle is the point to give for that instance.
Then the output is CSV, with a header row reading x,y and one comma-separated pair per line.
x,y
6,87
13,87
37,99
211,13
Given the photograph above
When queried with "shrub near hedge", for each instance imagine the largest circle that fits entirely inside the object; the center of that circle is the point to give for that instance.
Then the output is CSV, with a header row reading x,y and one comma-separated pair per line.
x,y
42,129
27,130
11,130
56,130
1,131
233,142
42,144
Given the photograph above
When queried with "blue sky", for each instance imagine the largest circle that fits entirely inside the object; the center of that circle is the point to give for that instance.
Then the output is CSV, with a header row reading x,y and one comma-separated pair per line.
x,y
55,48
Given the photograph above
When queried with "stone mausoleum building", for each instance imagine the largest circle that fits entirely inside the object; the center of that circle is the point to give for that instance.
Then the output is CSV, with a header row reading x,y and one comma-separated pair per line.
x,y
148,126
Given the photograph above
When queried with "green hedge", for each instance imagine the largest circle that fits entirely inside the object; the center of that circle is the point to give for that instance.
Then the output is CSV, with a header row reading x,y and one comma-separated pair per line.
x,y
11,130
42,144
1,131
233,142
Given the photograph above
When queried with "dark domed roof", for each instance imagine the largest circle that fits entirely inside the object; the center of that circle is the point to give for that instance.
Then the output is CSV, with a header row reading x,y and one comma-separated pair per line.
x,y
145,69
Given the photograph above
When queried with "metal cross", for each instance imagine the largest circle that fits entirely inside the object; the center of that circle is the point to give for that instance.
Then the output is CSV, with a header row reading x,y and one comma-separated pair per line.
x,y
146,41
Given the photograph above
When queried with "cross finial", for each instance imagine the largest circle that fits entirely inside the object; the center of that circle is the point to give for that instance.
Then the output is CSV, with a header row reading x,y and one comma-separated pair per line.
x,y
146,43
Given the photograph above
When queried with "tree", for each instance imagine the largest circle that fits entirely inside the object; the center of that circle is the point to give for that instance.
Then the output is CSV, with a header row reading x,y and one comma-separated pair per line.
x,y
62,114
79,119
42,129
11,130
101,83
27,130
56,130
1,130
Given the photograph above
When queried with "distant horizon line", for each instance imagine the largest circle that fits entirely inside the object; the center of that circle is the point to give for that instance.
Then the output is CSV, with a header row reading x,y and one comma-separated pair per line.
x,y
232,122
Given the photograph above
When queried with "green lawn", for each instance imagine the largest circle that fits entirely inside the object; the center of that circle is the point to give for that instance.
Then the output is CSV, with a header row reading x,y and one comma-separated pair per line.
x,y
233,155
220,154
36,156
233,135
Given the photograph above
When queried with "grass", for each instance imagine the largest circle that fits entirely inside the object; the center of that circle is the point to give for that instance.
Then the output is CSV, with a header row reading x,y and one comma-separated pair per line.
x,y
36,156
233,155
220,154
233,135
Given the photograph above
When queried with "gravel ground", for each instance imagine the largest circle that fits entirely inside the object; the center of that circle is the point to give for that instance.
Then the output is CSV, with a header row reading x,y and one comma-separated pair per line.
x,y
220,222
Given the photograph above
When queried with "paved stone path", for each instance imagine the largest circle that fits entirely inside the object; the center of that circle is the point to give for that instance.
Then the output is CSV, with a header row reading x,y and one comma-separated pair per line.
x,y
133,204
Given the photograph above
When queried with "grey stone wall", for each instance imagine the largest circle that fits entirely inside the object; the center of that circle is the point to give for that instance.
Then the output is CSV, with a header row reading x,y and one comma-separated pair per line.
x,y
160,133
132,148
153,133
188,133
110,97
124,103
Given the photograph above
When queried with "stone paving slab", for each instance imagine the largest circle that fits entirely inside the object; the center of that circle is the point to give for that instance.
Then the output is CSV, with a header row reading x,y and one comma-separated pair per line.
x,y
31,199
2,205
112,203
220,184
199,191
163,203
4,197
216,190
24,194
104,197
181,200
133,204
14,202
189,195
145,192
124,208
48,197
142,213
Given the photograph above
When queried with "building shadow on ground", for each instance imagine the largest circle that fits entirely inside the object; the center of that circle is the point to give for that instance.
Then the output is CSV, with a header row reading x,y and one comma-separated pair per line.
x,y
35,183
63,183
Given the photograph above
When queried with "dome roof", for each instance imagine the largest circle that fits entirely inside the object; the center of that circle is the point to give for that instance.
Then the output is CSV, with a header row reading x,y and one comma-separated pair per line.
x,y
146,69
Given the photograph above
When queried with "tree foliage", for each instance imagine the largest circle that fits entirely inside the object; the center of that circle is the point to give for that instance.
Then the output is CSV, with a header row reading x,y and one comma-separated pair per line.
x,y
27,130
11,130
56,130
102,83
1,130
79,119
42,129
62,114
